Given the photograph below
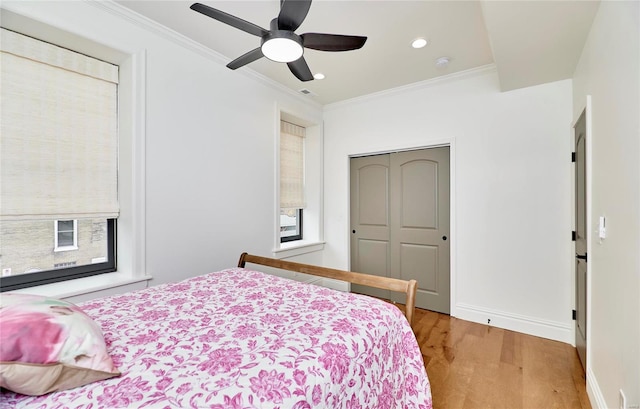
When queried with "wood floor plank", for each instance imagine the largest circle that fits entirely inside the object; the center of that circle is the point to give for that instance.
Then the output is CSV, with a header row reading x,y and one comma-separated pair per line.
x,y
475,366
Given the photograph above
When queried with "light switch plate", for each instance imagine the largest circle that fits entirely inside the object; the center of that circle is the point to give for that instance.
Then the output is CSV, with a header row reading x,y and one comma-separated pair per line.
x,y
602,227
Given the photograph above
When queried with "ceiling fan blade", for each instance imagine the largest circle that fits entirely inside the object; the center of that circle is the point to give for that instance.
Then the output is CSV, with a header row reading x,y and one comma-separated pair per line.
x,y
229,19
300,69
332,42
246,58
292,14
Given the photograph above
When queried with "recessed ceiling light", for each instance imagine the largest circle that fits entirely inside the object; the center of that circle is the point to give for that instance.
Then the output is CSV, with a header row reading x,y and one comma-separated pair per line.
x,y
318,76
419,43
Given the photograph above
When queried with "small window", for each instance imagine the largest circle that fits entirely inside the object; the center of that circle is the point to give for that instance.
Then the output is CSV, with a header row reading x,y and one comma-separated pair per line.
x,y
66,235
292,199
290,225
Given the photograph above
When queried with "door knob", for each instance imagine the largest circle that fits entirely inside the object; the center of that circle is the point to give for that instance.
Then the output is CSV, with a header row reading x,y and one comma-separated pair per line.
x,y
444,238
353,231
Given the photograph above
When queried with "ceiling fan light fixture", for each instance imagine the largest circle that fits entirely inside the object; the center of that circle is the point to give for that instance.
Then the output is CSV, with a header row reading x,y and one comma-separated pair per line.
x,y
283,48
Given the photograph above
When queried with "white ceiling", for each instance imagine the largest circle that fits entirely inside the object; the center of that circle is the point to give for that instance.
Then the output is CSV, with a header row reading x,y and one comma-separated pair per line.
x,y
531,42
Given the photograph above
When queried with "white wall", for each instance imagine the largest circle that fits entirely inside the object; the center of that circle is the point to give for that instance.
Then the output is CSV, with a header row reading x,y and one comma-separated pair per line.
x,y
511,254
210,143
609,71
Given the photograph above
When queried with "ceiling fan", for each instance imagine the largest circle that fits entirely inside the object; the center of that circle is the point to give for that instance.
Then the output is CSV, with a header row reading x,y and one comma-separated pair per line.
x,y
280,43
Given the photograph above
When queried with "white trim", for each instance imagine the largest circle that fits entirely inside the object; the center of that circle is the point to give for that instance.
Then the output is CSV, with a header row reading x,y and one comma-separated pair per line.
x,y
296,248
157,28
416,86
554,330
436,143
589,206
139,147
593,389
453,236
321,185
58,249
276,179
589,177
313,280
572,210
338,285
83,286
184,41
131,241
74,246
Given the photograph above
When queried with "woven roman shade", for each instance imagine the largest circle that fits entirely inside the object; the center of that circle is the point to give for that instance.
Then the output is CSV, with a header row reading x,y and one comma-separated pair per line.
x,y
58,132
291,166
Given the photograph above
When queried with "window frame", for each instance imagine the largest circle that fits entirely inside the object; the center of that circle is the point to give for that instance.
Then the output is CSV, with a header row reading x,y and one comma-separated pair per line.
x,y
313,239
299,229
56,236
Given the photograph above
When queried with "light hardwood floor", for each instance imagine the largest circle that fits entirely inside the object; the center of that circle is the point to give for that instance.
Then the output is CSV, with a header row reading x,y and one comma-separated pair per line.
x,y
475,366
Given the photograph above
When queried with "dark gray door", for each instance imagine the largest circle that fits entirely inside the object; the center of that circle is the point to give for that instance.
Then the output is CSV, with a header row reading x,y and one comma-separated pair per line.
x,y
400,222
420,224
370,250
581,238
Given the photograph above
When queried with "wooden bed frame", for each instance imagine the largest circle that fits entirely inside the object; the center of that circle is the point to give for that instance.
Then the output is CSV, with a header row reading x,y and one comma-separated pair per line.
x,y
385,283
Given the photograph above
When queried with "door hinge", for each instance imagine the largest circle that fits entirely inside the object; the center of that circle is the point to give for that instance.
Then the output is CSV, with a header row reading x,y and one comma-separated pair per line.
x,y
573,235
573,156
574,314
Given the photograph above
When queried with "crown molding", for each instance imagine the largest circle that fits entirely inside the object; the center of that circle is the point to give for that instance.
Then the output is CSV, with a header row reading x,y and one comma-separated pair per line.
x,y
456,76
186,42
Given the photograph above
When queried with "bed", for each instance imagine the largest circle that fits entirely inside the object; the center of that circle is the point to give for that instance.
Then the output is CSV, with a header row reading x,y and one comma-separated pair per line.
x,y
241,338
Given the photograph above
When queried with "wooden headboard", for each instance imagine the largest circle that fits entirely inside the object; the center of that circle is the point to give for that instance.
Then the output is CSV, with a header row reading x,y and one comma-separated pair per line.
x,y
385,283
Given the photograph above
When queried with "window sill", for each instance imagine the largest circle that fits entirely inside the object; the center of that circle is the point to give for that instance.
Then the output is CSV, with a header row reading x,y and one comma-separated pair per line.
x,y
296,248
65,248
82,286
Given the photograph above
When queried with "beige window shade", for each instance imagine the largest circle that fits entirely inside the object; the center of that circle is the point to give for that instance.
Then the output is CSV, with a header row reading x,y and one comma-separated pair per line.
x,y
58,140
291,166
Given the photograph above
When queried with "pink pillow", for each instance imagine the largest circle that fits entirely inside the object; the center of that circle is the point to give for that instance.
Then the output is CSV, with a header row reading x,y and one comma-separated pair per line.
x,y
48,345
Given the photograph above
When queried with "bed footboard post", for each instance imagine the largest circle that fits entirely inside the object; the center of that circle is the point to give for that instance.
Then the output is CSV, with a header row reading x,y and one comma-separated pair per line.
x,y
242,261
411,300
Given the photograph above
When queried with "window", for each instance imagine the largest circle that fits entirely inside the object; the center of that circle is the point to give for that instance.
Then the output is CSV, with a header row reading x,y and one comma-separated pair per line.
x,y
290,225
291,181
66,235
59,155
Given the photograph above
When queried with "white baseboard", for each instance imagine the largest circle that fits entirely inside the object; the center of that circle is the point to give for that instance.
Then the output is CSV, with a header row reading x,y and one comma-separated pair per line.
x,y
336,284
324,282
593,391
554,330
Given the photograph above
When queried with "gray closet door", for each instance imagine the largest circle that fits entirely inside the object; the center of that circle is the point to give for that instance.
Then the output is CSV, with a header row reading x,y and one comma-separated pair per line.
x,y
420,224
400,222
370,249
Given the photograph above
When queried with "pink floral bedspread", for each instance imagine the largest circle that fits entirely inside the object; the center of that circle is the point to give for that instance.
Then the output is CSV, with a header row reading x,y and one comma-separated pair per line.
x,y
243,339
